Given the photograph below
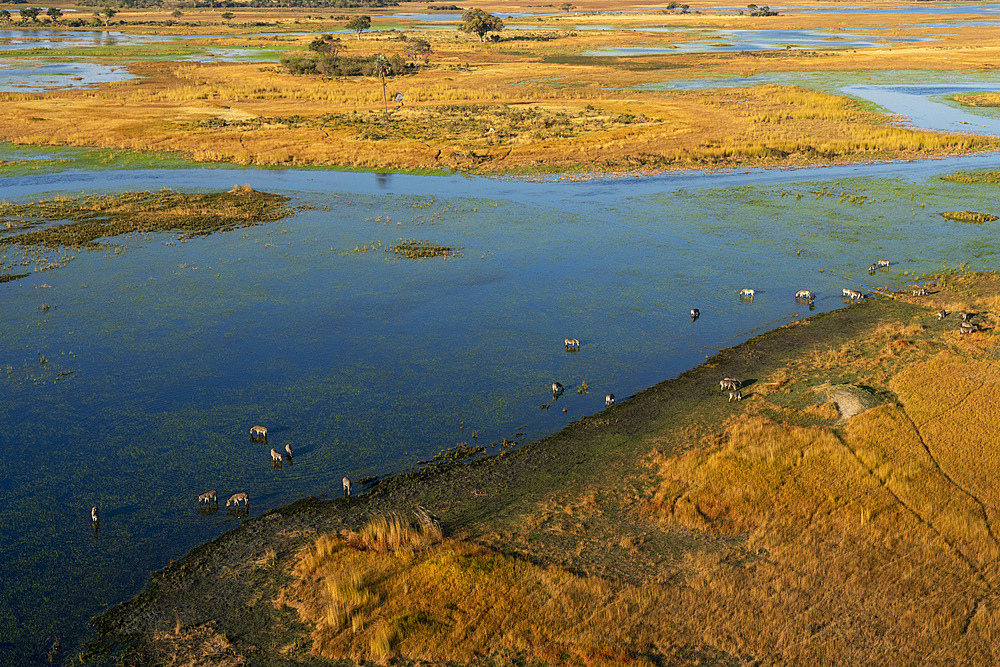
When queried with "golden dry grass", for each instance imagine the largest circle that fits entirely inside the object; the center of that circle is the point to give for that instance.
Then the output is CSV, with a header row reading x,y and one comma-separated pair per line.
x,y
573,112
869,540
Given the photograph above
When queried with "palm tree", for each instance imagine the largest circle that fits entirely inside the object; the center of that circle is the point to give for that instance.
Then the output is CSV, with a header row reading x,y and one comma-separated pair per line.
x,y
382,69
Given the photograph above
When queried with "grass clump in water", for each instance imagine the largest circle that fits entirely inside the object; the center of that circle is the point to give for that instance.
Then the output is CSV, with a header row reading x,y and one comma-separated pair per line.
x,y
80,221
413,249
969,216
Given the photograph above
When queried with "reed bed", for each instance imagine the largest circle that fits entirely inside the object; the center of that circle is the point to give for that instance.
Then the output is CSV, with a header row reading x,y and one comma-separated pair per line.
x,y
92,217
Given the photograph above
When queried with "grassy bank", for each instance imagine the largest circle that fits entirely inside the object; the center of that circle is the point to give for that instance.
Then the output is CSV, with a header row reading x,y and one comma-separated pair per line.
x,y
843,511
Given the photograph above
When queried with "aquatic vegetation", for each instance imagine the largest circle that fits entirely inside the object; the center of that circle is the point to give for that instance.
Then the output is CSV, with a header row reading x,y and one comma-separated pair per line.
x,y
93,217
973,177
968,216
413,249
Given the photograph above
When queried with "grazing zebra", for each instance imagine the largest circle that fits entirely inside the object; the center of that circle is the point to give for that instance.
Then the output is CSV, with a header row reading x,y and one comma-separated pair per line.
x,y
238,498
288,450
805,294
847,291
275,456
258,432
941,314
572,344
968,327
882,263
347,487
966,317
854,294
920,291
208,497
93,514
735,396
609,400
747,292
695,314
556,389
872,269
729,383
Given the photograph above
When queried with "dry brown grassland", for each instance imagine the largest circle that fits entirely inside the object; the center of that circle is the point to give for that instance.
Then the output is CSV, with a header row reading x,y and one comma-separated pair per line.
x,y
549,107
868,539
845,512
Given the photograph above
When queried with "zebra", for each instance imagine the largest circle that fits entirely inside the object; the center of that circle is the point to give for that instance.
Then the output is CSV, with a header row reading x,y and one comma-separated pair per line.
x,y
805,294
208,497
941,314
729,383
966,317
275,456
872,269
288,450
747,293
347,487
572,344
920,291
557,389
258,432
93,515
735,396
968,327
695,314
609,400
238,498
882,263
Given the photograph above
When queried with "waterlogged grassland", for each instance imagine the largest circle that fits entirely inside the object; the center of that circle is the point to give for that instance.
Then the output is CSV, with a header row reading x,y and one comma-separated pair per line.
x,y
852,483
579,107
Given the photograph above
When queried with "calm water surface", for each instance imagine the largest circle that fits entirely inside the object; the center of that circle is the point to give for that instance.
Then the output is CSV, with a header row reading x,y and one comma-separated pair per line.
x,y
163,354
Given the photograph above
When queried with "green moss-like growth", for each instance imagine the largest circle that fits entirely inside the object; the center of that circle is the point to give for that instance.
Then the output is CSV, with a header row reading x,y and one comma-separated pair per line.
x,y
973,177
414,249
87,218
969,216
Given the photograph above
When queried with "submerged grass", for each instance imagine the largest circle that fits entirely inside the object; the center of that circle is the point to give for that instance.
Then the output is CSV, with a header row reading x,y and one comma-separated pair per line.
x,y
969,216
91,217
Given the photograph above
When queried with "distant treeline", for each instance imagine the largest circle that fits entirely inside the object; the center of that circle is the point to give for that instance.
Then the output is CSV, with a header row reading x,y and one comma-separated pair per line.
x,y
196,4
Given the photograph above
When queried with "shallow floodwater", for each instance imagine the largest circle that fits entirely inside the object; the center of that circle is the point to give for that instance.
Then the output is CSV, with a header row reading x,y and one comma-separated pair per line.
x,y
920,98
160,356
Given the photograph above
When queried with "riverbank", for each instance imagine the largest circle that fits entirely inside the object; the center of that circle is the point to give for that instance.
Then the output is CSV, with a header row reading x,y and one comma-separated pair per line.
x,y
788,527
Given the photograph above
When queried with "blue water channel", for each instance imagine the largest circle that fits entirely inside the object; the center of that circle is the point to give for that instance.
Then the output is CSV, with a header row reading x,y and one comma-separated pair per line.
x,y
161,353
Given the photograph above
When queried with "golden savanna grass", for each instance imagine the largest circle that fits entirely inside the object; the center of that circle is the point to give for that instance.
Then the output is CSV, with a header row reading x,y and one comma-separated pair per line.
x,y
864,540
549,107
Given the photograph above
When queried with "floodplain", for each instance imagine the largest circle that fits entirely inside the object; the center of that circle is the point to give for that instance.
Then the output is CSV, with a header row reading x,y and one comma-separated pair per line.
x,y
392,299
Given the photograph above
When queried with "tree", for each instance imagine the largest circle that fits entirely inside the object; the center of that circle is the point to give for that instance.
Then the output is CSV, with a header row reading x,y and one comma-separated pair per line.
x,y
4,16
177,13
567,7
383,68
30,14
107,14
479,22
327,44
227,16
359,24
54,14
418,49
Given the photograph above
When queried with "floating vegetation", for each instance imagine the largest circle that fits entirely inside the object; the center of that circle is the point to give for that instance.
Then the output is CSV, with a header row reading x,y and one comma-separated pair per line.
x,y
973,177
80,221
413,249
7,277
969,216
